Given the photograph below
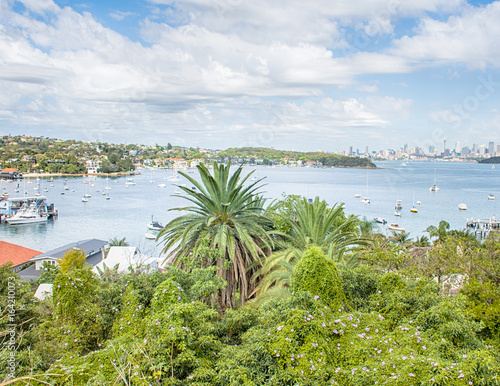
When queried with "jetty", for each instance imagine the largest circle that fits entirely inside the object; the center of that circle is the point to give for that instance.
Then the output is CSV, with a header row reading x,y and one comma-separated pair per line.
x,y
483,227
10,205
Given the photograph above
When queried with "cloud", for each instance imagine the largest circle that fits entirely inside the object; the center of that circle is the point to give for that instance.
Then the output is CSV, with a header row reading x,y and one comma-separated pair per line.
x,y
120,15
470,38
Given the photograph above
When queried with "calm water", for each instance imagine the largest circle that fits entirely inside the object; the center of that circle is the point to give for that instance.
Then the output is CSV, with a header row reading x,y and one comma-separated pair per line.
x,y
129,210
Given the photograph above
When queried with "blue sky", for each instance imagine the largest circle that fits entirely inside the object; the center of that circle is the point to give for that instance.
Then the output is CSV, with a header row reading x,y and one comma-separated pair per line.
x,y
316,75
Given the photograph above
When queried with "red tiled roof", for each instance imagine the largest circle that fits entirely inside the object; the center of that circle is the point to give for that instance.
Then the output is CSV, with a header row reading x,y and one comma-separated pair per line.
x,y
10,170
15,253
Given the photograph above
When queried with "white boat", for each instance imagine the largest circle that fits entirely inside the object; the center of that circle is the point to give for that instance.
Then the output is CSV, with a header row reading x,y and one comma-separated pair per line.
x,y
365,200
177,191
491,197
155,225
357,195
403,164
396,228
150,236
107,197
398,213
162,185
107,184
462,206
85,199
174,177
34,213
380,220
434,188
399,205
419,202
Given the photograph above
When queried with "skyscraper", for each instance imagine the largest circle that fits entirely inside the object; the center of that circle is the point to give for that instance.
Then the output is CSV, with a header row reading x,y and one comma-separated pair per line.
x,y
491,148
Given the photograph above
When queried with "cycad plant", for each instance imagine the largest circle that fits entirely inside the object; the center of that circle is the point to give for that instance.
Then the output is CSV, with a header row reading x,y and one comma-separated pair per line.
x,y
313,224
227,212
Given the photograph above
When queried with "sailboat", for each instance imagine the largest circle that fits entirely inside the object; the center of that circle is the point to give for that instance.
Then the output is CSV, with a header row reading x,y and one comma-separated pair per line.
x,y
107,184
366,199
434,188
413,209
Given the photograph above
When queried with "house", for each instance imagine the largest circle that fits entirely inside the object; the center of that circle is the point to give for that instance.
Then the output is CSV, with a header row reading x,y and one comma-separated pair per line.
x,y
126,259
43,291
10,173
179,163
93,249
18,255
92,166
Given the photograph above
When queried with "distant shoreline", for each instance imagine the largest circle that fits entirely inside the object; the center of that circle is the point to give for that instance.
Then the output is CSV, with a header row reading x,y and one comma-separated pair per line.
x,y
117,174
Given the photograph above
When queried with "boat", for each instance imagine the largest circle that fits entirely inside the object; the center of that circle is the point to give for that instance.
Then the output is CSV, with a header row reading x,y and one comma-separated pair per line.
x,y
150,236
107,184
107,196
399,205
434,188
491,197
174,177
85,199
462,206
357,195
403,164
419,202
396,228
413,209
155,225
380,220
366,199
177,191
162,185
35,212
398,213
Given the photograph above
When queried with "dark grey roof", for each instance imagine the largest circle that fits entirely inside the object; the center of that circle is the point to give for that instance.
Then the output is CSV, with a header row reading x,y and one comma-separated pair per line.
x,y
29,273
89,246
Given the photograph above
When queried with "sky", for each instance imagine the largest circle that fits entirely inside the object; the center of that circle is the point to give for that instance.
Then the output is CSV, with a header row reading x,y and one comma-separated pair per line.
x,y
295,75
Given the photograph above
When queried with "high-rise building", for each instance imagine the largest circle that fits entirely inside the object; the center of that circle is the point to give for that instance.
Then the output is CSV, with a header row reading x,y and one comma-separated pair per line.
x,y
457,147
482,150
350,150
475,148
498,150
491,148
432,148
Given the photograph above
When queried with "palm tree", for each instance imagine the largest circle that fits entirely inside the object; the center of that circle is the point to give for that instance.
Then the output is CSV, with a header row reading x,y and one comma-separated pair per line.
x,y
116,242
314,224
229,214
440,232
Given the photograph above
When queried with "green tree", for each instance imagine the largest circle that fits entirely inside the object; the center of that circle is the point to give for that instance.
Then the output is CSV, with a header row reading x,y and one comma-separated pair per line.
x,y
229,214
310,224
441,231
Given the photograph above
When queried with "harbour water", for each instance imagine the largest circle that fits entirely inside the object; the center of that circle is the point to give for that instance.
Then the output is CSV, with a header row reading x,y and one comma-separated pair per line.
x,y
130,207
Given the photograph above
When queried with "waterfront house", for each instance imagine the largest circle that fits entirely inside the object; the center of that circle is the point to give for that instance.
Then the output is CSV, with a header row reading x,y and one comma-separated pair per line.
x,y
10,173
93,249
127,259
19,256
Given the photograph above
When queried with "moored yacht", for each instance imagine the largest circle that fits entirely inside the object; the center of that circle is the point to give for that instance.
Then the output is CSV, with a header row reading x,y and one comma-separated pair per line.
x,y
28,214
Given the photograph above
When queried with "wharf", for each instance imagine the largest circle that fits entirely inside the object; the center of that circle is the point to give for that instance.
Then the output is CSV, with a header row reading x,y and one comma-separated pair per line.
x,y
483,227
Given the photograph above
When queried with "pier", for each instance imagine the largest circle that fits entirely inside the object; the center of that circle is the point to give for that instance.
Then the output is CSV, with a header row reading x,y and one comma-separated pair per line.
x,y
483,227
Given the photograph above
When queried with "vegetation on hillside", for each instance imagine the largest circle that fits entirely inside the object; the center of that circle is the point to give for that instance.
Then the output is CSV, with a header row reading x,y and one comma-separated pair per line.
x,y
330,300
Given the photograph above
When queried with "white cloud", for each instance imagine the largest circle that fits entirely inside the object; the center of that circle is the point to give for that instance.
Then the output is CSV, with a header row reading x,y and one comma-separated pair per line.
x,y
120,15
471,39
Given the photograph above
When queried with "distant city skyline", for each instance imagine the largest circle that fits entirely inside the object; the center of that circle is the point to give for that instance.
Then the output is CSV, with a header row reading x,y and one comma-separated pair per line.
x,y
229,73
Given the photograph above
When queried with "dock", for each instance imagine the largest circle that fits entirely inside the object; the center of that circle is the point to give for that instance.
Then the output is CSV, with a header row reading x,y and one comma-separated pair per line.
x,y
483,227
10,205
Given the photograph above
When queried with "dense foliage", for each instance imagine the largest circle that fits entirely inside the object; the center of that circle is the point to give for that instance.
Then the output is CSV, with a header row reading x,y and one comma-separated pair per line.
x,y
394,312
